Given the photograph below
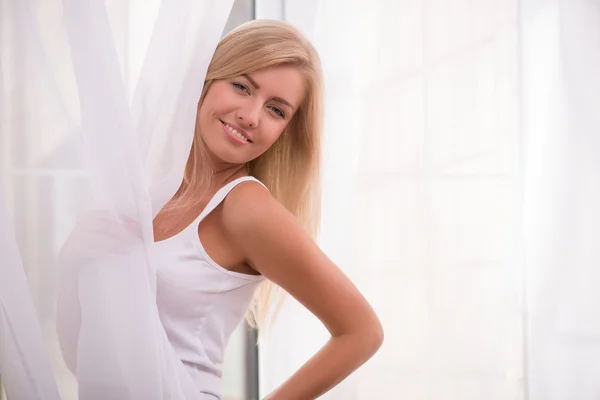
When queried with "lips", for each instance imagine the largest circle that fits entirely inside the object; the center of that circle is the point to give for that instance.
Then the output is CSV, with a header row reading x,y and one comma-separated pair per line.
x,y
236,132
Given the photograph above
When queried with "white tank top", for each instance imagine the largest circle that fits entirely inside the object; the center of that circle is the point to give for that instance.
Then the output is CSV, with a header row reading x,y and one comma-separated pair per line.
x,y
199,302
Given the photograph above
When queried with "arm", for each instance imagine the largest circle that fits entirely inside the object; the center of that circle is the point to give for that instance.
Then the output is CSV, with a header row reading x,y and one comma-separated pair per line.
x,y
276,245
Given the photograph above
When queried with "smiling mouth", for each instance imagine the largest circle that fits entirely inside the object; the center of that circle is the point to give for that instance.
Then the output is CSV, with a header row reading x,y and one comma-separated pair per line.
x,y
235,133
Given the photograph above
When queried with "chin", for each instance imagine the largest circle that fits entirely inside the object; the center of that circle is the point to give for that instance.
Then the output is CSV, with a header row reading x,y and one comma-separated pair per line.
x,y
221,153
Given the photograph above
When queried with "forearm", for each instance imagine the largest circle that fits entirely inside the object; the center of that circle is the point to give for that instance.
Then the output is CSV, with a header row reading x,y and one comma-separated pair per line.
x,y
341,356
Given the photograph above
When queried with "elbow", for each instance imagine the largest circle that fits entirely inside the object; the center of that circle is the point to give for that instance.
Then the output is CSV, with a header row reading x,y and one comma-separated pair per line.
x,y
377,336
373,337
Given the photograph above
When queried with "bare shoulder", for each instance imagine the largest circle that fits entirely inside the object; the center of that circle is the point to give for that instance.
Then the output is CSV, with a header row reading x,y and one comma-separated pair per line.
x,y
265,232
251,207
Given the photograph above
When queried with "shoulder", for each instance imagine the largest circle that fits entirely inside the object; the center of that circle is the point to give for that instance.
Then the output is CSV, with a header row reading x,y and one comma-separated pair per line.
x,y
250,206
248,196
270,238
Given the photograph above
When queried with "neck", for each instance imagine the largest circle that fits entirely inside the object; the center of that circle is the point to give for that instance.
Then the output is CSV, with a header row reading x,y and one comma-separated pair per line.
x,y
224,175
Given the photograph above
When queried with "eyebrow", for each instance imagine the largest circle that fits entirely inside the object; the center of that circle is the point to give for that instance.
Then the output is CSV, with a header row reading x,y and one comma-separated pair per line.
x,y
257,86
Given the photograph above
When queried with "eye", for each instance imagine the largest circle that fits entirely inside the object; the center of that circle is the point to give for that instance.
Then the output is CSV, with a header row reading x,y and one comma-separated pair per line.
x,y
277,111
241,87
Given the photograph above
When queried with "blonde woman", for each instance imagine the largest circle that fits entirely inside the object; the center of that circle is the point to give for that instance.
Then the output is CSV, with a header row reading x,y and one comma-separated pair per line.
x,y
244,218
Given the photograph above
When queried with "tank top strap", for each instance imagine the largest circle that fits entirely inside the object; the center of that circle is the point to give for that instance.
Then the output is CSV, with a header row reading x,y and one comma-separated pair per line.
x,y
222,193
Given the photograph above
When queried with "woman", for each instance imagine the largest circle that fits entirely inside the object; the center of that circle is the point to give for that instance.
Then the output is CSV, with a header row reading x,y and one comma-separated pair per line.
x,y
258,123
242,222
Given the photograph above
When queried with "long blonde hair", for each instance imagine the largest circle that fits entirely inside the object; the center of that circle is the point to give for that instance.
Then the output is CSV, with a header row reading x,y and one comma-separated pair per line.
x,y
290,168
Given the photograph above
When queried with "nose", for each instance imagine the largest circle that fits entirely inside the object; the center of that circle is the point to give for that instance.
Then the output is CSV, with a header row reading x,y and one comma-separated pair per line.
x,y
249,115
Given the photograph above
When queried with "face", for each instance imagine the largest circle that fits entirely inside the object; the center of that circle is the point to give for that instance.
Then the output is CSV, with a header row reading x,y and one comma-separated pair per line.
x,y
240,118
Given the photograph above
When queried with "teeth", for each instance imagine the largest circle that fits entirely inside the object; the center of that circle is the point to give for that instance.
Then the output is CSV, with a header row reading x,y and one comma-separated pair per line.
x,y
236,133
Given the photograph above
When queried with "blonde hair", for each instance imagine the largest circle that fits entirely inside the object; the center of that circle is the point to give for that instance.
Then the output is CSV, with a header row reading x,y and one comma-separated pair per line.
x,y
290,168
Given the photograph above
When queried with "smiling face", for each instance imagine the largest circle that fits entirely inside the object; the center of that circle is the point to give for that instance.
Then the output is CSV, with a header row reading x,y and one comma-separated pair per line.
x,y
241,117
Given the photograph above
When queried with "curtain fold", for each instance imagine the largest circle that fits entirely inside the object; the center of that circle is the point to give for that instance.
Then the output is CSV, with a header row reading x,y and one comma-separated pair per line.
x,y
24,360
117,141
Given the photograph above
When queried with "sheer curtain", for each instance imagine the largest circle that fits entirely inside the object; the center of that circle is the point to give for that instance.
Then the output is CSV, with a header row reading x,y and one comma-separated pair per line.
x,y
93,115
561,60
461,195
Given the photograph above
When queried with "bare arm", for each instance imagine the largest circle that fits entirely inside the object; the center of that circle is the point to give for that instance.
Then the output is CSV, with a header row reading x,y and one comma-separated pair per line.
x,y
276,245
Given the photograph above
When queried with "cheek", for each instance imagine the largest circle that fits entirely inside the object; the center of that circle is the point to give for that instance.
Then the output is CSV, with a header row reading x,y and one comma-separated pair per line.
x,y
214,103
273,135
201,122
207,113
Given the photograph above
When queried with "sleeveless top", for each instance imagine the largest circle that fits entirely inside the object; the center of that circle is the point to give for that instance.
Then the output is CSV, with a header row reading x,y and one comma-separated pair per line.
x,y
199,302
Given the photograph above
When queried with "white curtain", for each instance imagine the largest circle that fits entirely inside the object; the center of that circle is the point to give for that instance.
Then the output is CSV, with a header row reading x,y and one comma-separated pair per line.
x,y
561,60
462,195
97,112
